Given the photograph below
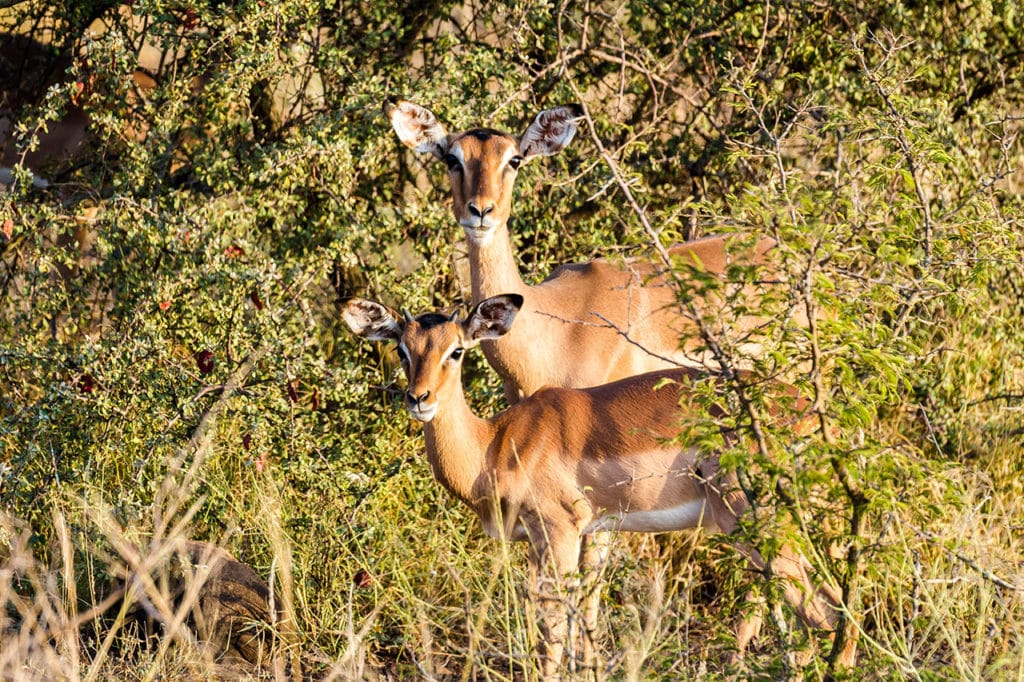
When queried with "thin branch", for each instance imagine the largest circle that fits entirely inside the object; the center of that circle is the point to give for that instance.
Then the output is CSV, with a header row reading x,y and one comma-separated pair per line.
x,y
970,563
900,123
620,180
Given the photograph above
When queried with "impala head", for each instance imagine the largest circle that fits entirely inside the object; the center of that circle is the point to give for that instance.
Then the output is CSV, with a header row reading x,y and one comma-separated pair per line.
x,y
482,163
431,345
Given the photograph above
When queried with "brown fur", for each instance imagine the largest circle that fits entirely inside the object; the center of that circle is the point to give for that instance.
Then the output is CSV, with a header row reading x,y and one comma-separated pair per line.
x,y
587,323
229,613
564,463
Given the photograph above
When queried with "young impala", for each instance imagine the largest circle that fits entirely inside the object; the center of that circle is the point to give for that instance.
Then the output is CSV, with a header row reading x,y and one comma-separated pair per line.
x,y
588,323
565,463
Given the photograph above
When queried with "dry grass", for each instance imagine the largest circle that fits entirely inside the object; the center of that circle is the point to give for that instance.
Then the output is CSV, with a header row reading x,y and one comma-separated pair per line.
x,y
446,604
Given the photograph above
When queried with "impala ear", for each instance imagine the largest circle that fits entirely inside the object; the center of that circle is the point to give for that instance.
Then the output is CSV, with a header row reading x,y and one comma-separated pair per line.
x,y
371,320
492,317
551,131
417,127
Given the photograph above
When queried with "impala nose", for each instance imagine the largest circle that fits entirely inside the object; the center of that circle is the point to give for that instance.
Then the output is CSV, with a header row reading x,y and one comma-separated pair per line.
x,y
418,406
477,212
416,400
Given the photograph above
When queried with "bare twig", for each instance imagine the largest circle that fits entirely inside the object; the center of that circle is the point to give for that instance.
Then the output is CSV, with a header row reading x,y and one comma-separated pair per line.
x,y
966,560
900,124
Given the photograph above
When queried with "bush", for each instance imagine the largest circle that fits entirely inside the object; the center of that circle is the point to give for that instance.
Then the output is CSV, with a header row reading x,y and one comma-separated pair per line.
x,y
172,362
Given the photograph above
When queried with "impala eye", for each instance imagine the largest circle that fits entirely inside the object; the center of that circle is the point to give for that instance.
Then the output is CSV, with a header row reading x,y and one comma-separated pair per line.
x,y
515,162
403,357
456,354
451,161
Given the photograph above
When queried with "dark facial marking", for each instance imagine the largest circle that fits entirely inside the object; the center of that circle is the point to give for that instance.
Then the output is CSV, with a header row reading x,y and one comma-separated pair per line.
x,y
430,320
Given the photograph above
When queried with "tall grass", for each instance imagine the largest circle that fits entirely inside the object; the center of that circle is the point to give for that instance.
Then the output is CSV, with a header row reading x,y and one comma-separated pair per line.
x,y
422,594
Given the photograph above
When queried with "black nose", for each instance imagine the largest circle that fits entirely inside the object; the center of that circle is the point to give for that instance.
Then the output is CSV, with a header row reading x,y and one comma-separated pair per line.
x,y
416,399
477,212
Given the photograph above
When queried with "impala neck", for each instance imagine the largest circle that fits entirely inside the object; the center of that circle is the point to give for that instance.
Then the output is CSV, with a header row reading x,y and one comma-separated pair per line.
x,y
492,265
457,442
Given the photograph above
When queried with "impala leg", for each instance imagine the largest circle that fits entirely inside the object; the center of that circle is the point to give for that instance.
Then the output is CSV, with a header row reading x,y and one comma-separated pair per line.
x,y
848,653
817,606
593,556
726,502
554,575
814,605
748,627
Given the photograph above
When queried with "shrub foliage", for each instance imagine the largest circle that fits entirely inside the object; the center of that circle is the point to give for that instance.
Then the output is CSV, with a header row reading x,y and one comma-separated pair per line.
x,y
171,360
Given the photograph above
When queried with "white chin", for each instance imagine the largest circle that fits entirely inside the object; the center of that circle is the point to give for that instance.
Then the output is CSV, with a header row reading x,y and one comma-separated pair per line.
x,y
478,232
423,415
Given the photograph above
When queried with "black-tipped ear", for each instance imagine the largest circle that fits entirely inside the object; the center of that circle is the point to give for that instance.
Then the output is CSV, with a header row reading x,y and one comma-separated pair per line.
x,y
417,127
371,320
551,131
492,317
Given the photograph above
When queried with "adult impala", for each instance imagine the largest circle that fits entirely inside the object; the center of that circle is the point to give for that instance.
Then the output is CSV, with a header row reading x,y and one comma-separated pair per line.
x,y
565,463
588,323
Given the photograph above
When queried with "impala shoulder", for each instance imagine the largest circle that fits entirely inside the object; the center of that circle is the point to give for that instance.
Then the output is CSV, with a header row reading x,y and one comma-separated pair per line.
x,y
544,414
534,412
548,400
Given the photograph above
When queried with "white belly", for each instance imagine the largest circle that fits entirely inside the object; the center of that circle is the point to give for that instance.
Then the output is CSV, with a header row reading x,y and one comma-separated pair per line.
x,y
688,515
